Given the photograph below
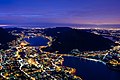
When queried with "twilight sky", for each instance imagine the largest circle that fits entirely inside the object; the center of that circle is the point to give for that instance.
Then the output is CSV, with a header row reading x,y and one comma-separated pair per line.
x,y
60,11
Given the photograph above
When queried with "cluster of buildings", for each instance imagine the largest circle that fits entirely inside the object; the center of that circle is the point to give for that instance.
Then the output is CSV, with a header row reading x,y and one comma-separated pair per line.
x,y
22,61
110,57
29,62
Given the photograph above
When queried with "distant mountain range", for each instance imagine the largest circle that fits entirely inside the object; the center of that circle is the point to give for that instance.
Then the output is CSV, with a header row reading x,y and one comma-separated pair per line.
x,y
67,39
47,25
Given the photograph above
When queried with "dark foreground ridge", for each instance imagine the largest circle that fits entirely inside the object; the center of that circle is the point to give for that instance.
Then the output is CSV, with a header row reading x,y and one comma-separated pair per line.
x,y
67,39
5,37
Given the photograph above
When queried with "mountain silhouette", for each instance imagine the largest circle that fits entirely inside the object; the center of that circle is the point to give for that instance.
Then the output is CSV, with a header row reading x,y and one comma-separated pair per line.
x,y
67,39
5,37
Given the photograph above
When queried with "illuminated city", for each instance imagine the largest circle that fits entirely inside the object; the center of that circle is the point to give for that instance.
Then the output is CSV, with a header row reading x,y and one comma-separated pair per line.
x,y
59,40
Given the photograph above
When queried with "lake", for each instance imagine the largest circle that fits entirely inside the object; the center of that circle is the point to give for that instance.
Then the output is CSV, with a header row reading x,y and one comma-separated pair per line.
x,y
86,69
90,70
37,41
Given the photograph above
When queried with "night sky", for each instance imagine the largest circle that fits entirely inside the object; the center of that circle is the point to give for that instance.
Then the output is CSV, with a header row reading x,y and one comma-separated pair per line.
x,y
60,11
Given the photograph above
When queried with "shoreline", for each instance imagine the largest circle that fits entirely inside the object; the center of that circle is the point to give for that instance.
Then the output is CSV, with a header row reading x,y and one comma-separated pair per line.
x,y
49,43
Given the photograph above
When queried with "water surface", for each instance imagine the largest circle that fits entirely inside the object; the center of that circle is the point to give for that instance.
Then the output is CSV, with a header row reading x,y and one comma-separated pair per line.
x,y
90,70
37,41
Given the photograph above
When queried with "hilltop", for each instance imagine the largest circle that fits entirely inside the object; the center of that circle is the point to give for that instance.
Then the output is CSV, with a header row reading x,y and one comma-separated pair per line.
x,y
67,39
5,37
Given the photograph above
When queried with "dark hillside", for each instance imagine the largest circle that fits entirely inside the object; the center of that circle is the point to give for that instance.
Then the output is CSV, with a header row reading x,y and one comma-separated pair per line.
x,y
5,37
67,39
